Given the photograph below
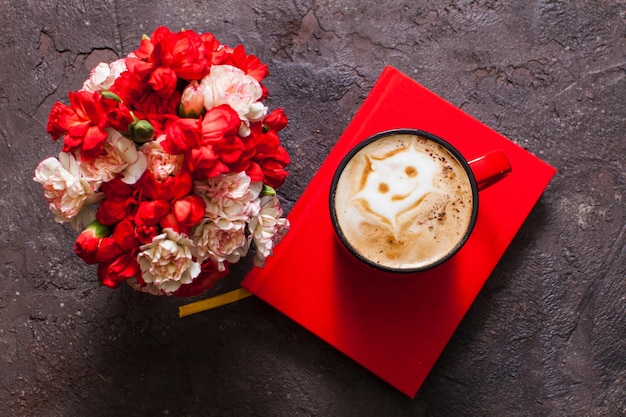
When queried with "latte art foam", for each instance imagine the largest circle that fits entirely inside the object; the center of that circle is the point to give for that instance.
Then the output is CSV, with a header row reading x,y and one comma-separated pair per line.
x,y
403,202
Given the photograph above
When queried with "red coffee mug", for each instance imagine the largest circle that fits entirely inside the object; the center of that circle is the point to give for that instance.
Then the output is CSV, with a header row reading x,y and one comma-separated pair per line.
x,y
481,172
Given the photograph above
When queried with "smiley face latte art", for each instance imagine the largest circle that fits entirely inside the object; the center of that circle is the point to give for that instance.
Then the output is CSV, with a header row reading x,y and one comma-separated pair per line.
x,y
403,202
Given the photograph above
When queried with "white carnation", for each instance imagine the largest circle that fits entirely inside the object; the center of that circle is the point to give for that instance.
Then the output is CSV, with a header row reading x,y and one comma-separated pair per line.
x,y
104,75
226,84
119,155
167,261
232,196
267,228
221,241
64,189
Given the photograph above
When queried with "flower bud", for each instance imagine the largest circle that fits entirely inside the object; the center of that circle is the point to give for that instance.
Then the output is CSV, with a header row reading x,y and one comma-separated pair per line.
x,y
98,229
141,131
275,120
94,246
111,95
267,191
192,101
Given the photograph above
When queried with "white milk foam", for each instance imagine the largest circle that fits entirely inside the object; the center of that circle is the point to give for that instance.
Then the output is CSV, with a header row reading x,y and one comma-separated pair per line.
x,y
395,184
403,201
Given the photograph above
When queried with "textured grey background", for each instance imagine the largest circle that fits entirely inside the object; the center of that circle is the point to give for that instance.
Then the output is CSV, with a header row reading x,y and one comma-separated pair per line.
x,y
545,337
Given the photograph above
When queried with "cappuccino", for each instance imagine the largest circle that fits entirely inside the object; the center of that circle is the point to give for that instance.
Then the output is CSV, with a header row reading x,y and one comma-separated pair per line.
x,y
403,202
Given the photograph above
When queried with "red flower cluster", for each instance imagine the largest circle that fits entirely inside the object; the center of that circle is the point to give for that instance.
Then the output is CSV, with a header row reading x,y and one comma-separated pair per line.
x,y
160,95
83,124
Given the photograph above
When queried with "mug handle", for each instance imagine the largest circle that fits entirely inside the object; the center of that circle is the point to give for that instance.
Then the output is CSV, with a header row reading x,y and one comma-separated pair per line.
x,y
490,168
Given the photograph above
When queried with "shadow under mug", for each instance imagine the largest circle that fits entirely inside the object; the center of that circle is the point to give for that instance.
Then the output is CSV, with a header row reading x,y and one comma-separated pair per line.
x,y
482,172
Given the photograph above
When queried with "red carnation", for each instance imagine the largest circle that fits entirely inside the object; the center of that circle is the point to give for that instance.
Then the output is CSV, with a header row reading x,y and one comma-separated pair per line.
x,y
124,235
218,122
112,274
181,134
249,64
209,275
264,159
83,123
94,246
174,187
173,55
152,212
189,210
120,201
163,81
215,55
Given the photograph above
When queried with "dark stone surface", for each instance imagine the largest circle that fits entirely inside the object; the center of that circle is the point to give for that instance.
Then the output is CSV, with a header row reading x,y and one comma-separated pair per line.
x,y
545,337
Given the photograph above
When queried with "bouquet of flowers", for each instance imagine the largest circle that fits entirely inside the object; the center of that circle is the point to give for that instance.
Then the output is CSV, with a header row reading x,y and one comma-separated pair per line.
x,y
169,164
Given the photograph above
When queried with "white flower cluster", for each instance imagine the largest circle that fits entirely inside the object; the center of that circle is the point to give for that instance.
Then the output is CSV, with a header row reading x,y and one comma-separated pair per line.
x,y
72,186
237,215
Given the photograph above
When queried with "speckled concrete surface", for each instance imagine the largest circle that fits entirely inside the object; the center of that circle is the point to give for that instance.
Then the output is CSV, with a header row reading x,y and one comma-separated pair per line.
x,y
546,336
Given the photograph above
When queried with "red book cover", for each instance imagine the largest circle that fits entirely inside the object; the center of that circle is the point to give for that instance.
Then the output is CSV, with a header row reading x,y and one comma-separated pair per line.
x,y
396,326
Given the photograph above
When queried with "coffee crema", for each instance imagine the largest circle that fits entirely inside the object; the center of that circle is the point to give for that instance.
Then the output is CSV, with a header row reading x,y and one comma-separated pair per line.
x,y
403,202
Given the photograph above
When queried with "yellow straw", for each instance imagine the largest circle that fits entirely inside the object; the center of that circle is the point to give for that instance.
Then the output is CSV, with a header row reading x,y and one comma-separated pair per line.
x,y
209,303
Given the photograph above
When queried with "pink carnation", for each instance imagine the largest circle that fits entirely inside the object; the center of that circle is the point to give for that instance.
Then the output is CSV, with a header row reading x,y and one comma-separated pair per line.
x,y
160,163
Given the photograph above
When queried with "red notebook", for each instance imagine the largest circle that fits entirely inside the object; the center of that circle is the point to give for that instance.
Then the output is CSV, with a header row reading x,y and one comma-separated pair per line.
x,y
396,326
